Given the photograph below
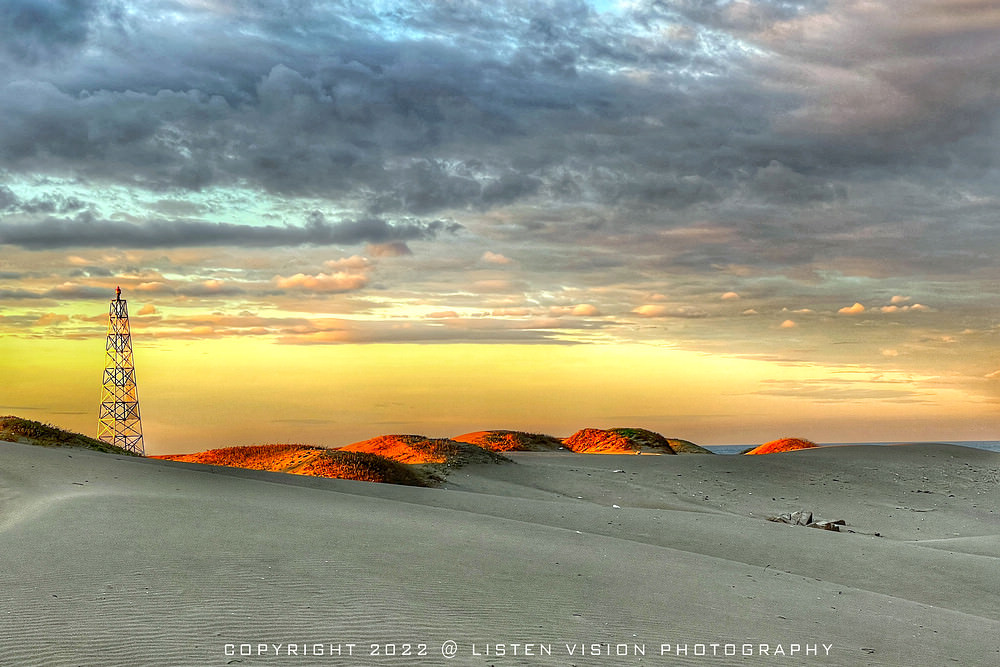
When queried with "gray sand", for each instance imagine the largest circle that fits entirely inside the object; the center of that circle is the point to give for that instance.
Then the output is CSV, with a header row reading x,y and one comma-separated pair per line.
x,y
110,560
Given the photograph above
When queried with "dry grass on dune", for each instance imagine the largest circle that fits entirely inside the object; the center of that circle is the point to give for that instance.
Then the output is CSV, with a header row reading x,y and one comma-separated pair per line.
x,y
279,458
363,467
417,449
628,441
307,460
412,460
17,429
782,445
511,441
599,441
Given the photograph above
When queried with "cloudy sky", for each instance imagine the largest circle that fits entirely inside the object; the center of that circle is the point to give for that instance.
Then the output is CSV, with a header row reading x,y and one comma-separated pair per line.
x,y
725,220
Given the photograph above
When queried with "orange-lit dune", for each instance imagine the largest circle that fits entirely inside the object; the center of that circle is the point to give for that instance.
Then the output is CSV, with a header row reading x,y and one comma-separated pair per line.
x,y
628,441
417,449
306,460
782,445
277,458
511,441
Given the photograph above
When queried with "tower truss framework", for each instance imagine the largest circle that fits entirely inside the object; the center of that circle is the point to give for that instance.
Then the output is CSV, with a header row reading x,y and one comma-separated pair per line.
x,y
119,422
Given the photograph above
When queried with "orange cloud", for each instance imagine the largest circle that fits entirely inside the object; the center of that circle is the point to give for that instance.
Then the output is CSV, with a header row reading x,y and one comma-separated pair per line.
x,y
323,282
856,309
355,262
148,309
650,311
579,310
494,258
904,309
788,324
512,312
730,296
394,249
50,319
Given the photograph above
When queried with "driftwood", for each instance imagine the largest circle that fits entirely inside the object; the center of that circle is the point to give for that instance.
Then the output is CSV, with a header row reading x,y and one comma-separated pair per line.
x,y
805,518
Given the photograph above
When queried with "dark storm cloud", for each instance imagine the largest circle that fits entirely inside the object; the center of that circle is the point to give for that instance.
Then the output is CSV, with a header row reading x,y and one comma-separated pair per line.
x,y
754,115
874,80
778,184
424,108
31,30
86,231
47,203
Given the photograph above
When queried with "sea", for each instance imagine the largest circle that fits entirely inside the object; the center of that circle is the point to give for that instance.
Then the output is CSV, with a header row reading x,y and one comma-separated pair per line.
x,y
988,445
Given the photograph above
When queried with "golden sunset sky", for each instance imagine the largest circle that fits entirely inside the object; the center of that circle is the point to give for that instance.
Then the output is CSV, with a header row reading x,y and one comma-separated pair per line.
x,y
727,222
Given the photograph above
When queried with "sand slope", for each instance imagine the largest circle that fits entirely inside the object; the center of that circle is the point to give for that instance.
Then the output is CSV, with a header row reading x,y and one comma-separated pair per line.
x,y
111,560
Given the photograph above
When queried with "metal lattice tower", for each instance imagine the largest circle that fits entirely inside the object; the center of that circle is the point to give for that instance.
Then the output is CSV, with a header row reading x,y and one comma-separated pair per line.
x,y
119,423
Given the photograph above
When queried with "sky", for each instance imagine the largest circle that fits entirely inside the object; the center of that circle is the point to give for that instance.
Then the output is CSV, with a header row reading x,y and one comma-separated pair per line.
x,y
724,220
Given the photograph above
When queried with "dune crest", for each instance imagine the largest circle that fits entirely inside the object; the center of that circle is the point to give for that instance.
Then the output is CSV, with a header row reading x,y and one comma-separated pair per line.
x,y
418,449
781,445
511,441
306,460
30,432
628,441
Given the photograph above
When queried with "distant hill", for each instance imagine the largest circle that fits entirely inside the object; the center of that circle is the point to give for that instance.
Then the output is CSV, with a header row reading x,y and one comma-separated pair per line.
x,y
628,441
26,431
307,460
782,445
511,441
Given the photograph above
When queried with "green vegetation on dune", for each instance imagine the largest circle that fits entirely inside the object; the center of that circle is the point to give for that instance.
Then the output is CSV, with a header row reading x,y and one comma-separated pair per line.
x,y
687,447
27,431
512,441
364,467
628,440
647,438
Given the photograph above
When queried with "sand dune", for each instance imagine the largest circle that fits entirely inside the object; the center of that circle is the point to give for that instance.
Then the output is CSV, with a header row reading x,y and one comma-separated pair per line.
x,y
628,441
420,449
308,460
115,560
781,445
511,441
